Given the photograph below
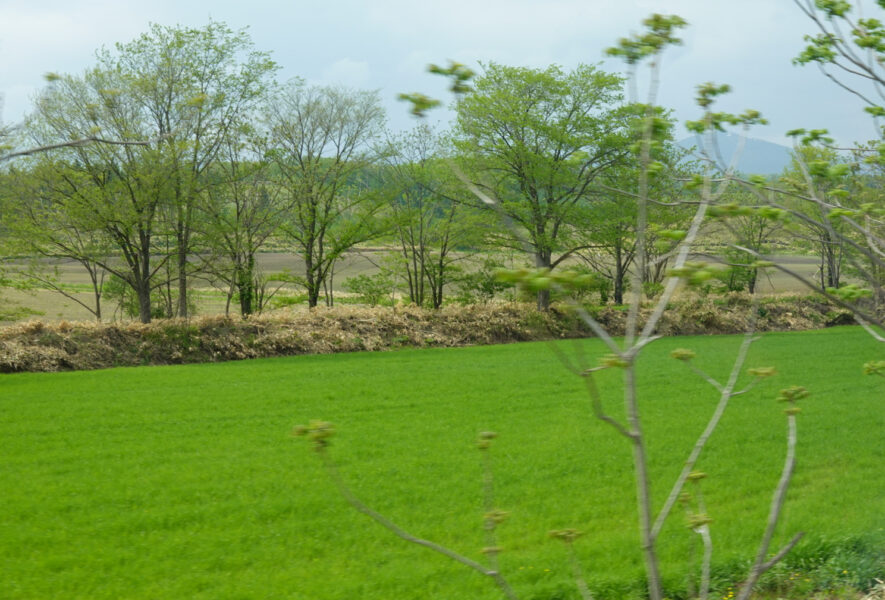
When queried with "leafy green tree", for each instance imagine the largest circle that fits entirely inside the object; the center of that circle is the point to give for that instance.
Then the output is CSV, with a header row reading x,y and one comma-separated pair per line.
x,y
182,89
849,49
35,225
536,140
115,189
192,86
753,229
611,232
372,289
430,215
810,172
240,210
866,188
322,141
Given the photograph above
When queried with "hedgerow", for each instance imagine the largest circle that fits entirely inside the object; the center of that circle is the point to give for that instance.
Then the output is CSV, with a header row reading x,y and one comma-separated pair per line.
x,y
38,346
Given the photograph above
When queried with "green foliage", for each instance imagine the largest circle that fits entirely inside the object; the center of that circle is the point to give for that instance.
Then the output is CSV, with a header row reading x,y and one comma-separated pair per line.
x,y
168,101
652,289
430,216
458,73
481,282
121,293
285,300
372,289
118,291
716,121
876,367
460,76
661,29
541,137
420,103
321,143
849,292
567,281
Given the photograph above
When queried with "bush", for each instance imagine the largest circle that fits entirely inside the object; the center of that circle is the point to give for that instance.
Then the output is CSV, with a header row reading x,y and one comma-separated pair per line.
x,y
481,284
372,289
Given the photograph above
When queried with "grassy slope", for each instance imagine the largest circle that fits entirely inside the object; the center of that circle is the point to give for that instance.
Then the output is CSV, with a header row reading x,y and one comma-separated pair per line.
x,y
182,482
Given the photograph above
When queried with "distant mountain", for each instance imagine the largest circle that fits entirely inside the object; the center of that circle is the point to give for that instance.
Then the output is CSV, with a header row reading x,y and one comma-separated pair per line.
x,y
758,157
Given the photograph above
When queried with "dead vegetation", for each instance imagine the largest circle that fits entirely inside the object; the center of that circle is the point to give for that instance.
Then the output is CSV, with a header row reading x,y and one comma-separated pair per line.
x,y
38,346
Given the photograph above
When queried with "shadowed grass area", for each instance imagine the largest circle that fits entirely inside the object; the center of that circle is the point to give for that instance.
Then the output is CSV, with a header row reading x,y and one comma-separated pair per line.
x,y
183,482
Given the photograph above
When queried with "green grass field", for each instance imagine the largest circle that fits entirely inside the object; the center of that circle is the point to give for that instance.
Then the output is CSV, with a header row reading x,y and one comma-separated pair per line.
x,y
184,482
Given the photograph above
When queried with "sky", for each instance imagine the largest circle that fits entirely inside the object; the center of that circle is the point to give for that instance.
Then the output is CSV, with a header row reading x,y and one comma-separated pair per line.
x,y
386,45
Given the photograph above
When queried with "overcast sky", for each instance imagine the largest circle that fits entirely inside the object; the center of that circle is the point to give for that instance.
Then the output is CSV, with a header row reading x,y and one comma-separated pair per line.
x,y
386,45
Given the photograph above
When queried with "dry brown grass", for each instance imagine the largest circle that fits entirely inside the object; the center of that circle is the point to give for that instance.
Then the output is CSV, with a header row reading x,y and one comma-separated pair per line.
x,y
64,345
878,592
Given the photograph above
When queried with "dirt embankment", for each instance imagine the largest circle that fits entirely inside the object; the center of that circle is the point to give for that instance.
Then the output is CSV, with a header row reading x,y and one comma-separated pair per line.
x,y
37,346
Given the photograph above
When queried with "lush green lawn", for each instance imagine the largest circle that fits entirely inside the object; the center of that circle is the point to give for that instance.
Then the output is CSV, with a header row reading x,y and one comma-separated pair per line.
x,y
184,482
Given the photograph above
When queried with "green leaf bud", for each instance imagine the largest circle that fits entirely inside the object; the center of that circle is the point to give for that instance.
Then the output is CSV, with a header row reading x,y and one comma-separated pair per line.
x,y
695,182
762,372
758,180
682,354
613,361
876,367
792,394
496,516
672,234
566,535
697,521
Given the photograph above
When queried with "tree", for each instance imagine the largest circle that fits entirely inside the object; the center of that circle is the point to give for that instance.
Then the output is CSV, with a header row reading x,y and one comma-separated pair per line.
x,y
183,88
40,226
192,87
321,142
815,227
868,199
240,210
611,232
114,189
753,228
429,215
536,140
849,49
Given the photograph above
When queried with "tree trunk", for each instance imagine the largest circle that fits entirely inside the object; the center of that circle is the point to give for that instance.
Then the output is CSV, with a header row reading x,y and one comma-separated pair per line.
x,y
620,274
312,282
313,296
182,285
142,279
542,261
183,240
143,291
246,287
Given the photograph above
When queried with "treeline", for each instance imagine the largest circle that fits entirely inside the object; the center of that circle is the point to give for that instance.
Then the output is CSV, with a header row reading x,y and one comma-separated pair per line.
x,y
233,161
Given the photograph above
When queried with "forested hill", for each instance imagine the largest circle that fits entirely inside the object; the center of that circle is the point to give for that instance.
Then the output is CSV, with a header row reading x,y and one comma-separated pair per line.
x,y
758,156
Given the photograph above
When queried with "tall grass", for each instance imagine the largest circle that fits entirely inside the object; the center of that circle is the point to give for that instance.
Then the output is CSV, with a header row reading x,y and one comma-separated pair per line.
x,y
183,482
